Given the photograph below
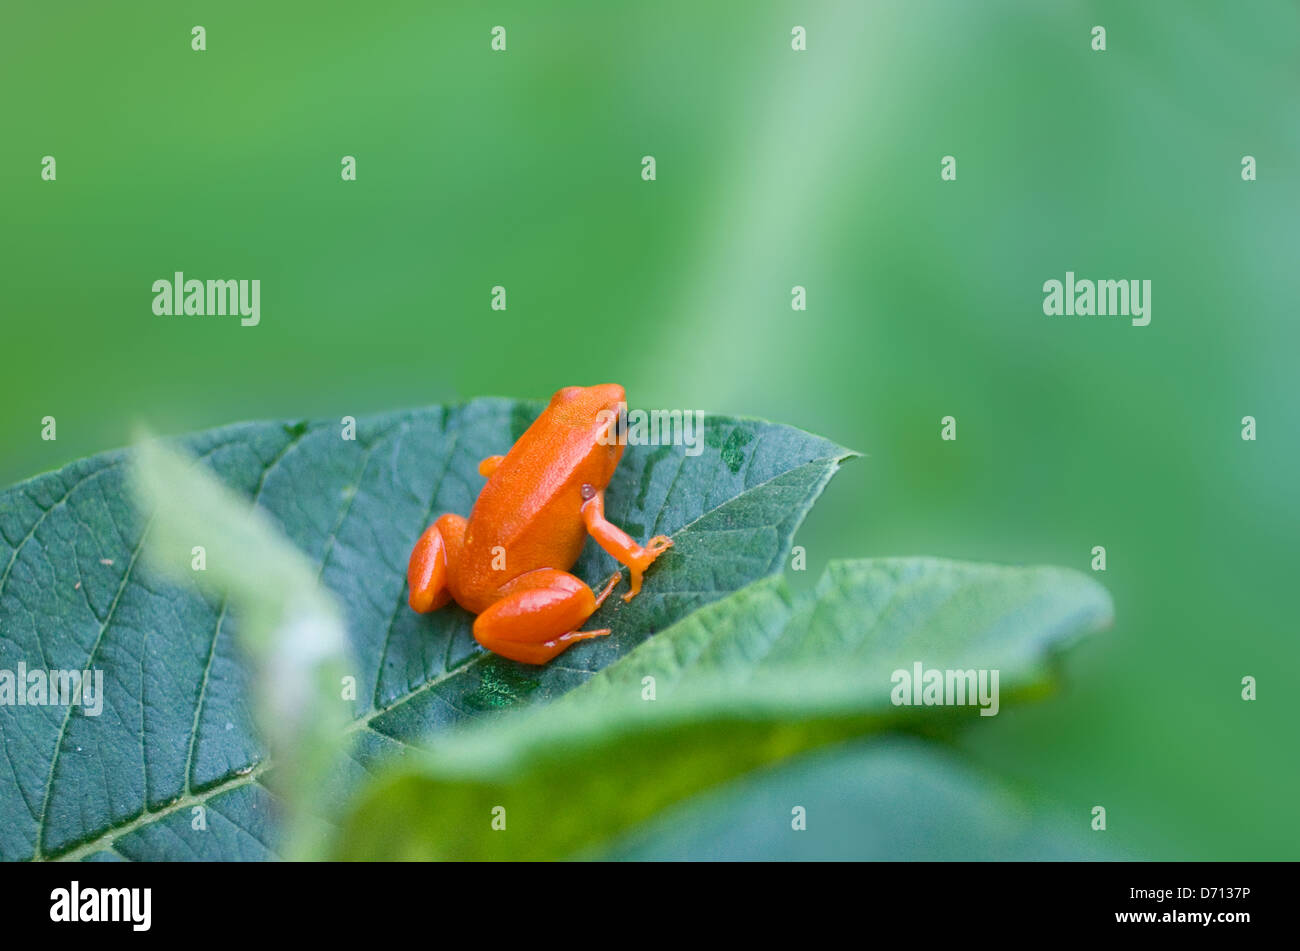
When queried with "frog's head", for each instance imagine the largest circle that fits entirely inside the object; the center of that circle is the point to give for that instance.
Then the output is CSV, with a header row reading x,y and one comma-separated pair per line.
x,y
597,416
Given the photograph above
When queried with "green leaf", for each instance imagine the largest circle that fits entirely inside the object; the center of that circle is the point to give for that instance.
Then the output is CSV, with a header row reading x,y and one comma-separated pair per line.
x,y
744,682
177,727
886,799
291,630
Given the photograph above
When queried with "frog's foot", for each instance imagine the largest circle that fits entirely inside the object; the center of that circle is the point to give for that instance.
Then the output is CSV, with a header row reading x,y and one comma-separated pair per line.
x,y
431,561
619,543
642,559
539,614
535,653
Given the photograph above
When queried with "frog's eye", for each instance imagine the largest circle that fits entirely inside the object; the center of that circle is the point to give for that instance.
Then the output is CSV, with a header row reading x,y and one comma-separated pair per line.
x,y
615,427
588,491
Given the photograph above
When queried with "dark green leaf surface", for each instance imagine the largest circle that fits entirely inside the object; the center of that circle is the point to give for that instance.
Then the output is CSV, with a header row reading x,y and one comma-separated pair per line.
x,y
756,677
176,729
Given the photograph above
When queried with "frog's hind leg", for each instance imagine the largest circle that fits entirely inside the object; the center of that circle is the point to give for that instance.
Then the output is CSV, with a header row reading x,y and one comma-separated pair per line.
x,y
539,614
431,560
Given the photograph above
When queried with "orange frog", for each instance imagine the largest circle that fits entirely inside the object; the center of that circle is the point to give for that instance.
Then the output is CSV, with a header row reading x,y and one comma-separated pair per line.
x,y
508,562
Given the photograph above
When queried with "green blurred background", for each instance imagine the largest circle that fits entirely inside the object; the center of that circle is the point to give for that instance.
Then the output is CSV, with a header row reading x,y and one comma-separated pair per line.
x,y
775,168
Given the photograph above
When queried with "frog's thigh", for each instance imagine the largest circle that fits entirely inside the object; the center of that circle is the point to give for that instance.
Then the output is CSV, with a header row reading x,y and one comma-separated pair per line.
x,y
537,616
432,561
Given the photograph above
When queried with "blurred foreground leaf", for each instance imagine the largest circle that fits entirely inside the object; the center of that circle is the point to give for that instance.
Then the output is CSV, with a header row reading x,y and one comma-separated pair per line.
x,y
885,799
742,683
290,628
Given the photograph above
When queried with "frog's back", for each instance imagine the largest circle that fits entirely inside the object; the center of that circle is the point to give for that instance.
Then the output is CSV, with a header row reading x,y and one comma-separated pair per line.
x,y
528,516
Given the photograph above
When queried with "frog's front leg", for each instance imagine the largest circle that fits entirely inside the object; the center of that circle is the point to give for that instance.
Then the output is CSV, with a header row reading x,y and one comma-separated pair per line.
x,y
538,615
432,561
618,542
